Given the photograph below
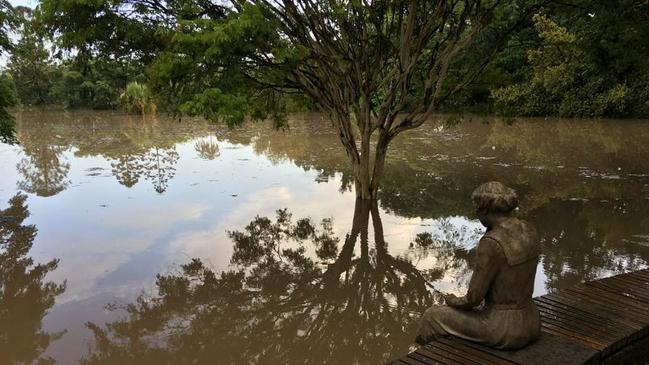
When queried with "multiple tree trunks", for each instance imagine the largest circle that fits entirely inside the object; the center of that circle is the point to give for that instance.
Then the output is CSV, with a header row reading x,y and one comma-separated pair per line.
x,y
590,323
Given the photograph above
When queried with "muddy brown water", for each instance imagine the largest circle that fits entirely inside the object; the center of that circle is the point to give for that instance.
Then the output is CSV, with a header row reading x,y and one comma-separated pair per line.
x,y
187,242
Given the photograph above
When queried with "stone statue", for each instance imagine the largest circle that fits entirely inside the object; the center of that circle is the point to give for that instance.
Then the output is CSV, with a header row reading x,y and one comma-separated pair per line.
x,y
503,278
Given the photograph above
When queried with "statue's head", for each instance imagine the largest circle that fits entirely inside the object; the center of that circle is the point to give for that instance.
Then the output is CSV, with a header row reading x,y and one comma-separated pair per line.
x,y
493,200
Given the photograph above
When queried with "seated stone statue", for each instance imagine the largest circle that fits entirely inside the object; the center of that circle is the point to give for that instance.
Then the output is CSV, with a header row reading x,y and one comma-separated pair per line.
x,y
503,278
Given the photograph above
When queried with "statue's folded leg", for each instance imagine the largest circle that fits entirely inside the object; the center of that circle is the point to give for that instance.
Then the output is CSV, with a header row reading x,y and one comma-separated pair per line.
x,y
440,321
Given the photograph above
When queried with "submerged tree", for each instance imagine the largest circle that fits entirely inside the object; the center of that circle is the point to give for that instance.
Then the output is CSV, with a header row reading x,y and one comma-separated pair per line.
x,y
25,298
376,68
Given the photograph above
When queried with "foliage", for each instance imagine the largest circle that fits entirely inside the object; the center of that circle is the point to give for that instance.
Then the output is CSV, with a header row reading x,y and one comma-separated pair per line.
x,y
7,86
29,64
8,98
137,98
592,66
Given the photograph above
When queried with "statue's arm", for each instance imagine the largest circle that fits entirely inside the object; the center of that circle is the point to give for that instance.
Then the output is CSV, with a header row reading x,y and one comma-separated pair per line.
x,y
489,258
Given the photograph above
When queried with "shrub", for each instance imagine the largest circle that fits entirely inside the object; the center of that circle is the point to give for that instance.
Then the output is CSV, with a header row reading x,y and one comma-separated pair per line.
x,y
137,98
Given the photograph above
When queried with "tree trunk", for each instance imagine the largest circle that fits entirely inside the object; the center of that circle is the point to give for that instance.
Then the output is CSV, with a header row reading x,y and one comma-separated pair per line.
x,y
369,171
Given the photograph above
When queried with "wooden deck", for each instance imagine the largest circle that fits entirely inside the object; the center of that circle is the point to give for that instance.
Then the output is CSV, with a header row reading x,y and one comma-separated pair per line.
x,y
600,322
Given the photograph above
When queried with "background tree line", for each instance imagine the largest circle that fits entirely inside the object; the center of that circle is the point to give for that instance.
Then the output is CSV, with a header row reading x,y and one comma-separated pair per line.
x,y
43,74
571,59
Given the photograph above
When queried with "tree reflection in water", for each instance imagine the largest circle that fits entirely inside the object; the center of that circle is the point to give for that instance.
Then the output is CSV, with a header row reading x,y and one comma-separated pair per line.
x,y
44,169
297,294
24,296
207,148
144,152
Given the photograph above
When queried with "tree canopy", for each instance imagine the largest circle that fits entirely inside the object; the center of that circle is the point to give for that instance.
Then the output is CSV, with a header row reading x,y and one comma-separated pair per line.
x,y
8,95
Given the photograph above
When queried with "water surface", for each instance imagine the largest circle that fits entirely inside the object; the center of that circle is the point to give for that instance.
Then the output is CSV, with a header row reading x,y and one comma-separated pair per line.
x,y
247,246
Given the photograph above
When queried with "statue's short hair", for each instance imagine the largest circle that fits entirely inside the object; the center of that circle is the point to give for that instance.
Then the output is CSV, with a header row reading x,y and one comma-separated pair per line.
x,y
494,197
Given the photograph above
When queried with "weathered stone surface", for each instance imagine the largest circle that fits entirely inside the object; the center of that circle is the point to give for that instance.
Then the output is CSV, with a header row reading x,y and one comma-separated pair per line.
x,y
503,278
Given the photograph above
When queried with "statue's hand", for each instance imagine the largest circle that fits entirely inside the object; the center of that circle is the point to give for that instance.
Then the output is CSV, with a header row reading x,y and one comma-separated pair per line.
x,y
450,299
453,301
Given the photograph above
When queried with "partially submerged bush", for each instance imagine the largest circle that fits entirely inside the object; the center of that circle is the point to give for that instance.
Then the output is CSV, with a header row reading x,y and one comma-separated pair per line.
x,y
137,98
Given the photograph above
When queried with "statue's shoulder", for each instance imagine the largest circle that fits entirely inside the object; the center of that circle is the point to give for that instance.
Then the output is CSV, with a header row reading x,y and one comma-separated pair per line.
x,y
518,240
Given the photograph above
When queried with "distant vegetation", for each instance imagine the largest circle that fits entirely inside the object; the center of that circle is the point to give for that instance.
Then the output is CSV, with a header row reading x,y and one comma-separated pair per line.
x,y
572,59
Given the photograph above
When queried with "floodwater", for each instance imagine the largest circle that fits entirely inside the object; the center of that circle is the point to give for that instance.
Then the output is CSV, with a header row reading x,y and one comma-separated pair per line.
x,y
162,242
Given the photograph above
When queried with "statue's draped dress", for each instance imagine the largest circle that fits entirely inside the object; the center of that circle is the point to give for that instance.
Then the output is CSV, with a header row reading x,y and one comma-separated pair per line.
x,y
506,260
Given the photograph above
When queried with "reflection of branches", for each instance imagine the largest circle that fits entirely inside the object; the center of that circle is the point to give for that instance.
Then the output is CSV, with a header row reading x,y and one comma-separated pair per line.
x,y
583,239
293,297
24,297
157,165
127,169
43,169
44,175
207,148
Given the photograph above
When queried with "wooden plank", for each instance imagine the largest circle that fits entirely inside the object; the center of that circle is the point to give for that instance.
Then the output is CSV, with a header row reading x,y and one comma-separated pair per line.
x,y
640,276
614,301
486,358
548,349
599,329
419,356
599,323
617,288
640,273
624,311
587,305
436,354
625,315
448,355
629,285
576,331
644,283
592,320
577,326
572,335
637,276
586,309
466,355
410,361
590,317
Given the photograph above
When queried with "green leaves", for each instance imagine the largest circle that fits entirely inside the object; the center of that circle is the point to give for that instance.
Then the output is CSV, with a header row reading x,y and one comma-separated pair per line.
x,y
216,106
8,22
586,63
137,98
8,98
